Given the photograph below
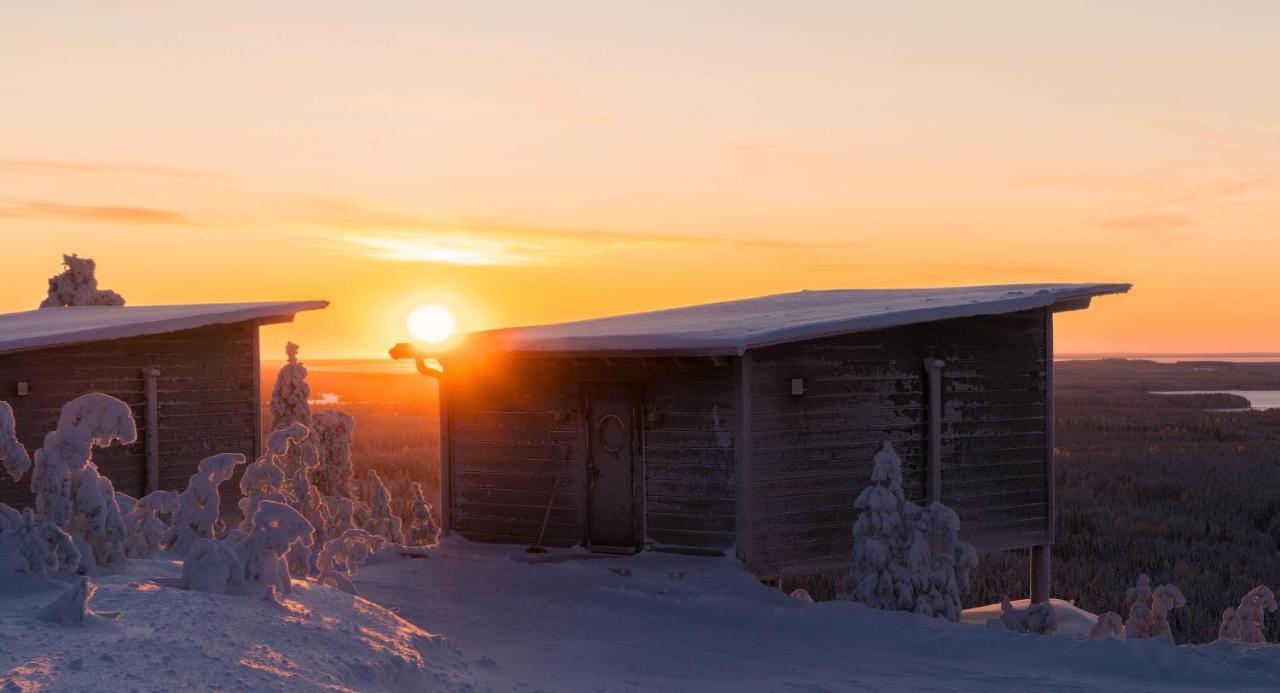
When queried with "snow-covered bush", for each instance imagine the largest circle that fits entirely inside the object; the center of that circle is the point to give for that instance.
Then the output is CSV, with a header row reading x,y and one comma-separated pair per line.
x,y
382,521
13,455
276,528
68,488
1036,618
145,529
341,517
802,594
1149,609
906,557
1108,625
423,530
261,481
77,286
72,608
33,546
331,432
339,557
198,506
1245,623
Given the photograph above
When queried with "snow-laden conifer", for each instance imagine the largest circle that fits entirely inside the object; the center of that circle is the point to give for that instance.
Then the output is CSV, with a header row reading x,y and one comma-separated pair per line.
x,y
198,506
13,455
906,557
33,546
146,530
332,433
1108,625
423,530
290,396
382,521
276,528
262,481
76,285
1246,623
1149,609
339,557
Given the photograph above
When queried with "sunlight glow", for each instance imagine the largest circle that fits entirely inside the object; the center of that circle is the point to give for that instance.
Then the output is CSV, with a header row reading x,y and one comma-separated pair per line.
x,y
432,324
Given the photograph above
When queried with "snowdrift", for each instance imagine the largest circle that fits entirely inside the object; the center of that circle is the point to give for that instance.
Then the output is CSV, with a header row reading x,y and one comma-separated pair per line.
x,y
166,638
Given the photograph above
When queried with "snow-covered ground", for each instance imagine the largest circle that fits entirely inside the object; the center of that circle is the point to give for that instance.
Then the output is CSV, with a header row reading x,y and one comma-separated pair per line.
x,y
571,621
165,638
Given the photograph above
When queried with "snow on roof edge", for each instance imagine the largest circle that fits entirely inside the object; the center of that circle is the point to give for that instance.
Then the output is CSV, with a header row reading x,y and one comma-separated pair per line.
x,y
1012,299
138,321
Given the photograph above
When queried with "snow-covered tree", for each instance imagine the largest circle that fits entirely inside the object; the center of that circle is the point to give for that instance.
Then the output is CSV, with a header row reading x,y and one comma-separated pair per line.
x,y
339,557
33,546
77,286
1108,625
1246,623
261,481
72,608
291,394
276,528
1036,618
341,516
906,557
198,506
423,530
146,530
332,433
1149,609
802,594
13,455
382,521
68,488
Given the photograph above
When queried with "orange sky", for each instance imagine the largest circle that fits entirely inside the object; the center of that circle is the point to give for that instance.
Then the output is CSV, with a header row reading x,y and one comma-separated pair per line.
x,y
532,162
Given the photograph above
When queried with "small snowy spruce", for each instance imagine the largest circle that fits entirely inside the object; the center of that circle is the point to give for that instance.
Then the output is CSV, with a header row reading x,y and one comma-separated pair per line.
x,y
339,558
291,394
1036,618
1245,623
212,566
276,528
906,557
332,432
382,521
77,286
68,488
72,608
146,530
33,546
261,481
1149,609
198,506
802,594
1108,625
13,456
423,530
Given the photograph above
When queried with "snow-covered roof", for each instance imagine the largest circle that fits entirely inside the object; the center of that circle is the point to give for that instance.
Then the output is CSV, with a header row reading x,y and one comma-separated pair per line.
x,y
50,327
732,327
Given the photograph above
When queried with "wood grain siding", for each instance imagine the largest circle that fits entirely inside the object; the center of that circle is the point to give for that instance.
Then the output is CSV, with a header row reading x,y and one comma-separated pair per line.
x,y
812,453
518,445
205,392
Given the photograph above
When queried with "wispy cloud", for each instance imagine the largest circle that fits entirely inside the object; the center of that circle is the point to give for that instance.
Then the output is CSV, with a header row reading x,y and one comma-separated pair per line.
x,y
402,237
99,167
107,214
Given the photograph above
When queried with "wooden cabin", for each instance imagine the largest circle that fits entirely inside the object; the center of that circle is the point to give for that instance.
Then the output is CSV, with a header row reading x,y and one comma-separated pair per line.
x,y
190,373
748,427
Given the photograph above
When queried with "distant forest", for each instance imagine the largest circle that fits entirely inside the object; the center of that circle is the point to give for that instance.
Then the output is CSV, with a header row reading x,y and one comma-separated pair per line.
x,y
1158,484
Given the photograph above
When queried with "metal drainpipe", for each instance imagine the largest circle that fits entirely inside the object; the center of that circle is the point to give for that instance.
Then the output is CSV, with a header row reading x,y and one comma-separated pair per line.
x,y
152,375
934,487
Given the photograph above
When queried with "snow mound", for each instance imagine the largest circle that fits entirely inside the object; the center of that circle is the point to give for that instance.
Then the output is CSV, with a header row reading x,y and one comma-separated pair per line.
x,y
316,638
1072,620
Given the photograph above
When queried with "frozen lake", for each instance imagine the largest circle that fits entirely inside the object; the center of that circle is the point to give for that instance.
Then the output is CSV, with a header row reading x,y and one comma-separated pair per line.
x,y
1258,399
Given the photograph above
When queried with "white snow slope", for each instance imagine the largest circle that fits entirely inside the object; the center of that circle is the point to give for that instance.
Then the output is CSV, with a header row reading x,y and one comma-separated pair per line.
x,y
570,621
171,639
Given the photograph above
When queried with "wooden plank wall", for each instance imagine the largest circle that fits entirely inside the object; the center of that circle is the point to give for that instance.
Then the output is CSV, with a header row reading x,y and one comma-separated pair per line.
x,y
813,453
206,400
516,434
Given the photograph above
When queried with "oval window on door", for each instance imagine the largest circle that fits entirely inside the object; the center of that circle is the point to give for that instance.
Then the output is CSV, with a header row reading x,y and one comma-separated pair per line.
x,y
611,432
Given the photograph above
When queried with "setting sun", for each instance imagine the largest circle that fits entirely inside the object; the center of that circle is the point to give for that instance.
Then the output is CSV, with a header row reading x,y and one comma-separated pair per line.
x,y
432,324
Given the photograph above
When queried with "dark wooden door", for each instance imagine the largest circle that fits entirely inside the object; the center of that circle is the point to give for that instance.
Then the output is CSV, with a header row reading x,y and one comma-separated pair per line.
x,y
613,461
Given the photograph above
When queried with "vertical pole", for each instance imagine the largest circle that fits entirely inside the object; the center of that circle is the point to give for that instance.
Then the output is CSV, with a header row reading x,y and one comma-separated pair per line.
x,y
152,375
744,538
934,486
257,392
1039,573
446,462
